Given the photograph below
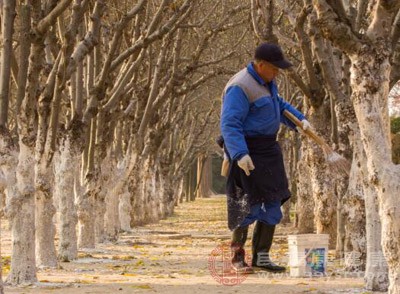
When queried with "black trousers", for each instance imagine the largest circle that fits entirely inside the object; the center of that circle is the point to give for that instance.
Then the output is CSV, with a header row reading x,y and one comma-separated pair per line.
x,y
266,183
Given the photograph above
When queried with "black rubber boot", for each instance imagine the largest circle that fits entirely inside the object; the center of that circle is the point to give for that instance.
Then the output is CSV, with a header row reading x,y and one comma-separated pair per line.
x,y
261,244
239,237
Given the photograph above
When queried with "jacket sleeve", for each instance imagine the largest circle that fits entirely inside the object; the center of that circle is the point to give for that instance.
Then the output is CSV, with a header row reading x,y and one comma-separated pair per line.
x,y
235,108
285,105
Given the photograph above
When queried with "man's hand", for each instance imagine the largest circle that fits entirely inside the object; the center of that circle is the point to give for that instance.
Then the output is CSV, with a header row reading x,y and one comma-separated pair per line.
x,y
246,164
305,125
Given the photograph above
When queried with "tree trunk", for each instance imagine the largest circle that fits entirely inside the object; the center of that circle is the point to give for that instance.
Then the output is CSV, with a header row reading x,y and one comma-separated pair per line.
x,y
305,201
45,228
65,177
376,271
87,201
290,144
192,181
370,84
322,182
354,208
100,210
286,213
112,201
204,180
86,217
22,203
135,184
22,221
124,209
8,162
150,195
8,7
8,15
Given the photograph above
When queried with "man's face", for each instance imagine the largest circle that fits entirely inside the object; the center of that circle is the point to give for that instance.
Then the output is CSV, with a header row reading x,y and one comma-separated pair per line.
x,y
267,71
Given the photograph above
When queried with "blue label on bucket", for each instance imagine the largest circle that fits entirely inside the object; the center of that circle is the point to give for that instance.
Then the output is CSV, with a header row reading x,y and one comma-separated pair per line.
x,y
315,258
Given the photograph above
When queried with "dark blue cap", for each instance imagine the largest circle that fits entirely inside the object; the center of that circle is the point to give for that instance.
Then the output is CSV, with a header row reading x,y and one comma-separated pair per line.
x,y
273,54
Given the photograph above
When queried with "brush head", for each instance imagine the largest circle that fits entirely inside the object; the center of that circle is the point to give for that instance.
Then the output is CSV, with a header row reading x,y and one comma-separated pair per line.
x,y
339,163
333,157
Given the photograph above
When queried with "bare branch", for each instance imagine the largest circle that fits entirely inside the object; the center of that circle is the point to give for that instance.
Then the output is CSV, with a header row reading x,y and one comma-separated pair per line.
x,y
24,52
305,47
254,20
395,34
116,40
339,32
120,88
90,40
153,94
7,32
51,18
156,35
384,14
361,10
338,8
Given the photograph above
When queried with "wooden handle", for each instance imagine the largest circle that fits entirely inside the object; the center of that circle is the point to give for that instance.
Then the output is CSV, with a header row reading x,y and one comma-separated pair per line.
x,y
309,132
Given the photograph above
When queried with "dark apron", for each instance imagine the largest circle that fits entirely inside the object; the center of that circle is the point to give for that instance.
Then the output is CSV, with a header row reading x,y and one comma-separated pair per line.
x,y
266,183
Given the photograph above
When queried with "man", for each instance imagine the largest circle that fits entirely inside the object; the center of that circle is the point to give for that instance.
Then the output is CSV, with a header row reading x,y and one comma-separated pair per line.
x,y
256,182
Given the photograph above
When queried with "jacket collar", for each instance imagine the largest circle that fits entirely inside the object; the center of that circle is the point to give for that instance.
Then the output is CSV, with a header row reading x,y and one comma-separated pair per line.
x,y
271,85
255,75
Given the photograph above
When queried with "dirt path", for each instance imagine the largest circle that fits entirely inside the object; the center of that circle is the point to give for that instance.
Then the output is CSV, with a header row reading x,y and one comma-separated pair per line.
x,y
173,256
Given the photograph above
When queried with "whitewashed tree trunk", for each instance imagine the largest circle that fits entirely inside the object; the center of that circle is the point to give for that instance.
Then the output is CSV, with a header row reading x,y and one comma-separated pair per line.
x,y
355,210
111,218
161,185
149,194
7,28
124,210
376,269
100,210
171,194
290,145
21,202
370,84
370,55
136,182
22,220
305,201
8,162
65,174
322,182
45,228
112,201
86,217
87,202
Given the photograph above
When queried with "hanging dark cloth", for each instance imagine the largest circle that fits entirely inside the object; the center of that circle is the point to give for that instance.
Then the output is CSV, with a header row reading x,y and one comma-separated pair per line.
x,y
266,183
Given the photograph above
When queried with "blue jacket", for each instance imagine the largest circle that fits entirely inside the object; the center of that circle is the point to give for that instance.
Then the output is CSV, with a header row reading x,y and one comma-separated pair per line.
x,y
251,107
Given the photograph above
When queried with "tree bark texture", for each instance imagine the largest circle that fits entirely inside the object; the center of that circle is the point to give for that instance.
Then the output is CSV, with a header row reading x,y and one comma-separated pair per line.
x,y
68,159
370,82
305,200
22,221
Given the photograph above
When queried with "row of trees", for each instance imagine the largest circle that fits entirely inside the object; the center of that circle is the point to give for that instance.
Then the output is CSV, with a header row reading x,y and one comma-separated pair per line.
x,y
104,107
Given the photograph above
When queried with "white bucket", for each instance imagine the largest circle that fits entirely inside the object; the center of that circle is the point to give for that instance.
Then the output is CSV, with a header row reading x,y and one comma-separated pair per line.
x,y
308,254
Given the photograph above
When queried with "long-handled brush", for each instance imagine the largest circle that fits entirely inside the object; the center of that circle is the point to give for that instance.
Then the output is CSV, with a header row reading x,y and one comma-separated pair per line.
x,y
337,161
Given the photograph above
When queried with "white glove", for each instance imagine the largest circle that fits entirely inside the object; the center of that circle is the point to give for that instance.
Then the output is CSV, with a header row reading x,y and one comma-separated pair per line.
x,y
305,125
300,130
246,164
